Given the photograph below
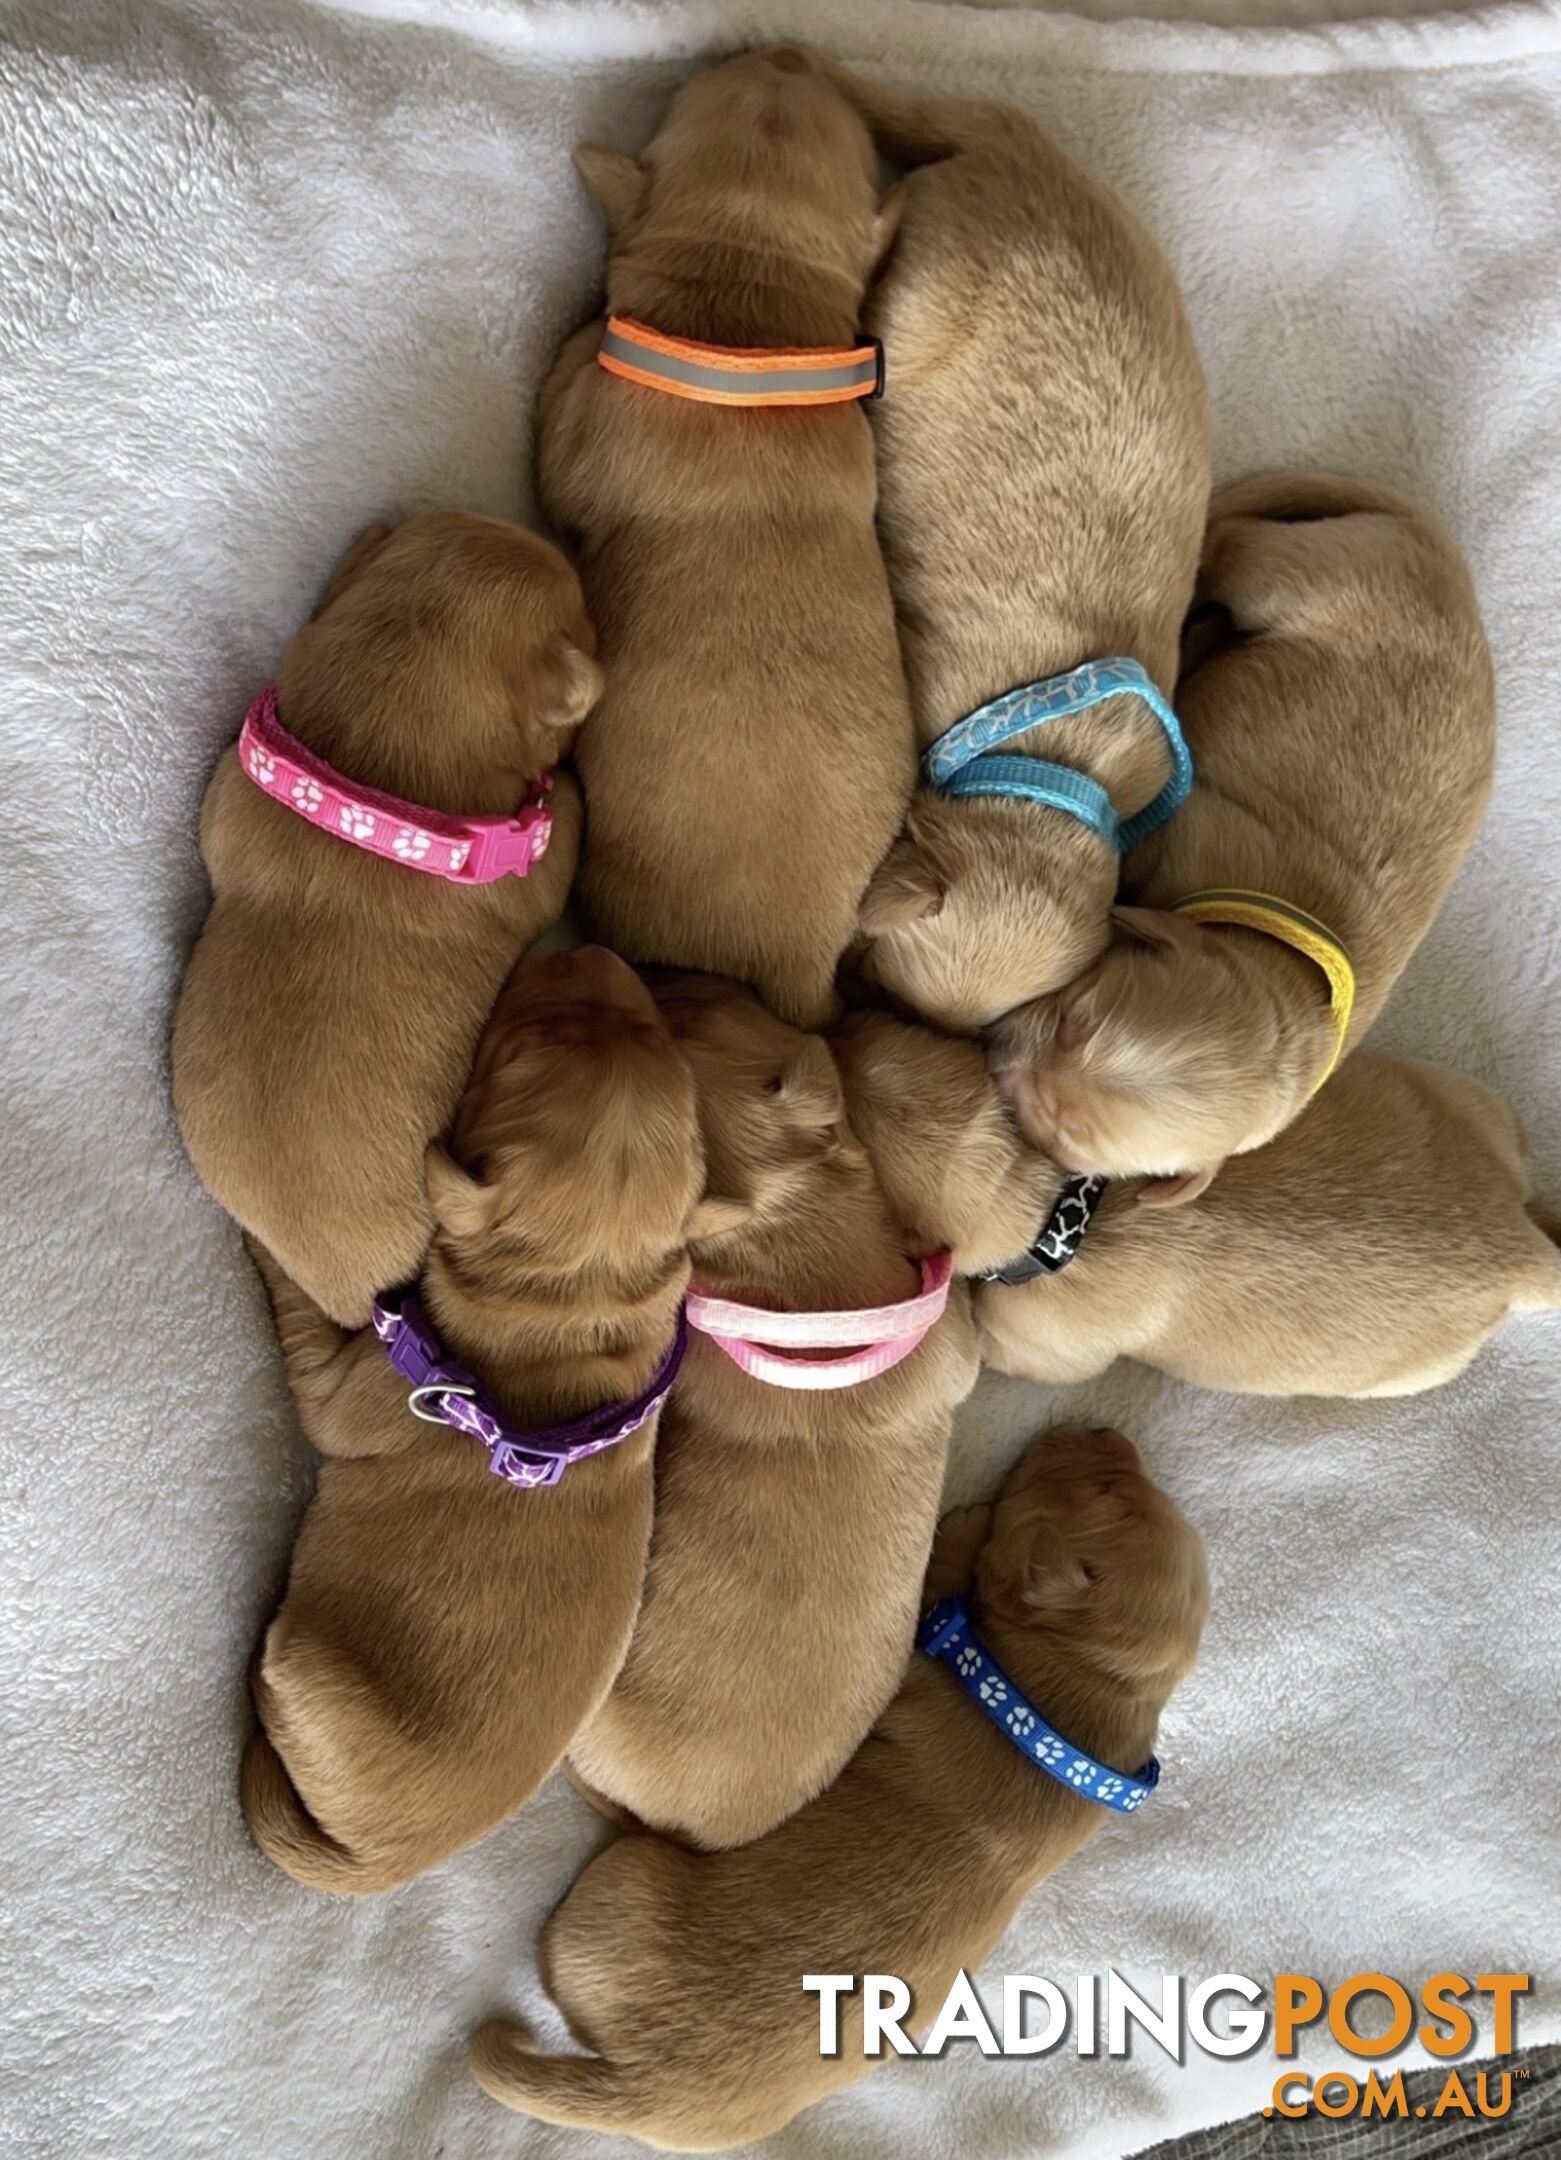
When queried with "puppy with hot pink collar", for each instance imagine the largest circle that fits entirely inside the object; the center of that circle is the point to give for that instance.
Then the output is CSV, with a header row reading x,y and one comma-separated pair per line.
x,y
801,1457
384,842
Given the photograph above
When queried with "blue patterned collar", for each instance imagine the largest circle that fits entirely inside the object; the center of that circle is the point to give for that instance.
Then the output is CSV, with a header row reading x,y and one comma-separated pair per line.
x,y
945,1633
1058,1240
962,761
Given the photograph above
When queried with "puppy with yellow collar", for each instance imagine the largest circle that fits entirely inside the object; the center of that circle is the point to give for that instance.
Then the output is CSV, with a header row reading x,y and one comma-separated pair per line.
x,y
1343,730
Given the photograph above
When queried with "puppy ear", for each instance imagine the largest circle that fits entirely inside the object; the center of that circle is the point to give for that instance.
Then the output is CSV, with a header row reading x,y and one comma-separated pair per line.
x,y
361,551
905,888
1052,1574
462,1205
809,1088
1157,928
563,682
1177,1191
614,181
717,1215
885,225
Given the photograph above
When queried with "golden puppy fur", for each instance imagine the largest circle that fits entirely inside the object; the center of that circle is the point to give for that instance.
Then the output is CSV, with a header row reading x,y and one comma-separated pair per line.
x,y
754,754
1043,448
956,1170
1370,1250
443,1634
333,1000
1344,736
791,1528
682,1971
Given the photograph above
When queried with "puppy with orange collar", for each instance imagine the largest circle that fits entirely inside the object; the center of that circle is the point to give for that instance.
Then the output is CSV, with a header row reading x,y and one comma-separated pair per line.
x,y
384,842
1344,731
447,1629
706,453
1032,1716
801,1459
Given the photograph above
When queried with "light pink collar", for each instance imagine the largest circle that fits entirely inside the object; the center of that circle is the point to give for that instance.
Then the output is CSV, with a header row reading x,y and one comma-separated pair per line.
x,y
888,1333
470,850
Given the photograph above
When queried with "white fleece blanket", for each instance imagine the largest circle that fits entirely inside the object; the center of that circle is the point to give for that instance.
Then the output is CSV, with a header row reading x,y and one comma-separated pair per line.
x,y
271,268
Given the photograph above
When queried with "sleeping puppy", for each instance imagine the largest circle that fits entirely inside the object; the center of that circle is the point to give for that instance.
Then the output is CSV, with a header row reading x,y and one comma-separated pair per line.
x,y
754,754
682,1971
1043,454
792,1527
959,1175
444,1634
333,1001
1372,1249
1344,736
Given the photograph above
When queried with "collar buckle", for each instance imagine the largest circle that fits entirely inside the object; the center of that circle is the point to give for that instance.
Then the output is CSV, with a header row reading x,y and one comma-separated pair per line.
x,y
510,849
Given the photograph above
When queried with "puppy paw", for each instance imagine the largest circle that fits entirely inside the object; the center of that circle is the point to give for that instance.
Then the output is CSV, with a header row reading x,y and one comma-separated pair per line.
x,y
960,1537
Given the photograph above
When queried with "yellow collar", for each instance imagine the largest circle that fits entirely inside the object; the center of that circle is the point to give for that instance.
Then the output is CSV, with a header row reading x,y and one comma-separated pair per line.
x,y
1293,927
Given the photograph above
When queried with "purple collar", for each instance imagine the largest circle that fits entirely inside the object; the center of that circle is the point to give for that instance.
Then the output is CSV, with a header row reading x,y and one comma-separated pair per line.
x,y
445,1393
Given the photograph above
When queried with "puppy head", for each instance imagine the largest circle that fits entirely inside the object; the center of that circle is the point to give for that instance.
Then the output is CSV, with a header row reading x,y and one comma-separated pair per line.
x,y
956,1169
1154,1062
575,1150
961,923
1086,1549
760,154
469,616
770,1104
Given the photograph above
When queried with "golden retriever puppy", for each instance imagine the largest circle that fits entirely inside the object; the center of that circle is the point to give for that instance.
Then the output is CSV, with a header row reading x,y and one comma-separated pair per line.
x,y
792,1523
1372,1249
754,754
335,996
1044,479
445,1630
682,1972
1344,732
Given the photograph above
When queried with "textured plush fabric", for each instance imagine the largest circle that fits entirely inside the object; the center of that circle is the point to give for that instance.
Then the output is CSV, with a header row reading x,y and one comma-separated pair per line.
x,y
271,269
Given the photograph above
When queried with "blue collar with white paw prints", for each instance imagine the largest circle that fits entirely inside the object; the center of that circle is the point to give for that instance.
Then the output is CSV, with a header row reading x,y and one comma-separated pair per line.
x,y
963,761
945,1633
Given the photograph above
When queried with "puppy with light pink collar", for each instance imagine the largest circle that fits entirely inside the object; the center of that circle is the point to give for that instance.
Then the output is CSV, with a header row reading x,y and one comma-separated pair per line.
x,y
786,1516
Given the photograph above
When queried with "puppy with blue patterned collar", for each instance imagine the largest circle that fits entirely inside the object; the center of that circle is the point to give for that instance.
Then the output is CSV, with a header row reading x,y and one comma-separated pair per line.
x,y
683,1972
1043,464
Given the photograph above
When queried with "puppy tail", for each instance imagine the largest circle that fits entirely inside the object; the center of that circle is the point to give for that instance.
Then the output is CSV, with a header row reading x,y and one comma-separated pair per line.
x,y
585,2092
1301,498
913,130
290,1837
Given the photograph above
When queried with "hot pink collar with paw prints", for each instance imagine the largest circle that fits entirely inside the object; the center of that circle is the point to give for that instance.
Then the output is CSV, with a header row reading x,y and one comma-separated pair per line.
x,y
467,850
750,1334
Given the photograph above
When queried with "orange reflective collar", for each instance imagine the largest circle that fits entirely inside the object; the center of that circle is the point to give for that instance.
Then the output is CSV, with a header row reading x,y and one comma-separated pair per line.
x,y
737,375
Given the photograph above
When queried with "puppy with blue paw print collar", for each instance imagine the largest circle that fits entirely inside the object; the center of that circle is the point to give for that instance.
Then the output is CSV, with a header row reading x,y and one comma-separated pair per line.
x,y
682,1972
